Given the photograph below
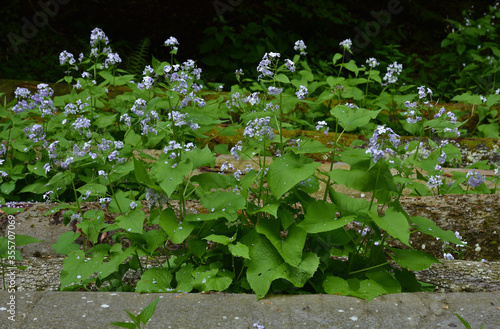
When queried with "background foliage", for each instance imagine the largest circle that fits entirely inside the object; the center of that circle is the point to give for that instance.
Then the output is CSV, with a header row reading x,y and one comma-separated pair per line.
x,y
224,37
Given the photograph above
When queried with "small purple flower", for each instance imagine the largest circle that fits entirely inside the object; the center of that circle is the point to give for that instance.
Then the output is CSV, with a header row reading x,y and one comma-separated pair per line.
x,y
448,256
66,58
96,36
346,44
372,62
81,123
300,46
22,92
434,182
171,42
302,92
475,179
440,113
252,98
453,118
133,205
235,149
393,71
274,91
290,65
238,73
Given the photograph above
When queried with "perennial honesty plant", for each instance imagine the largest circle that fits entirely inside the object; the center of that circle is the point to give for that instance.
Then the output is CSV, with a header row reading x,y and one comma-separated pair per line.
x,y
262,228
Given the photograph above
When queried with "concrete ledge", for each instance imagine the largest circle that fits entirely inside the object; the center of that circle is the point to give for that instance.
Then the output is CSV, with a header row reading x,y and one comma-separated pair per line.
x,y
177,311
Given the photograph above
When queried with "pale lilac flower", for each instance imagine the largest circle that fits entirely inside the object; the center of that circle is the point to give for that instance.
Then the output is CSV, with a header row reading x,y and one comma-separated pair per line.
x,y
66,58
126,119
302,92
265,63
252,98
118,145
112,59
238,73
104,145
434,182
259,127
290,65
442,158
237,174
133,205
102,173
346,44
320,125
258,326
300,46
139,107
65,164
372,62
274,91
453,118
98,35
77,85
35,133
81,123
148,70
225,166
171,42
147,82
86,75
21,92
448,256
475,179
393,71
440,113
483,99
235,149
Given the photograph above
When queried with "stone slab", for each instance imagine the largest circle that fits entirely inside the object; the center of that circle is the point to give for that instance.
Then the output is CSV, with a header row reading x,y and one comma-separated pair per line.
x,y
188,311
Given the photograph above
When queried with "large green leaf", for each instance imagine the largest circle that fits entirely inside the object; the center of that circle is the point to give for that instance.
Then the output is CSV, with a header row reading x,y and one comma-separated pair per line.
x,y
346,204
92,224
239,250
352,119
177,231
394,223
155,280
77,268
413,260
320,217
116,259
132,222
65,245
366,289
428,227
141,173
378,177
170,175
94,188
267,265
227,203
289,248
22,240
200,157
285,172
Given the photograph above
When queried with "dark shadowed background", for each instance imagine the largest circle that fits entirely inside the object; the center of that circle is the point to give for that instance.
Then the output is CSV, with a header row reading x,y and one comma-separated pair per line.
x,y
221,35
